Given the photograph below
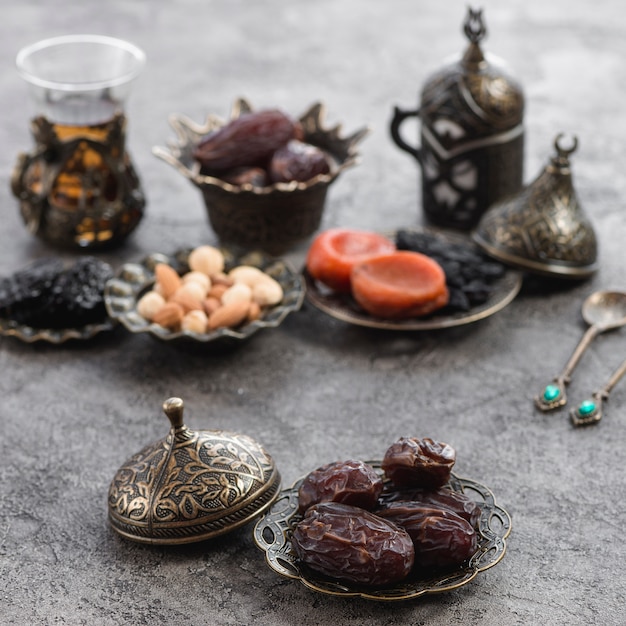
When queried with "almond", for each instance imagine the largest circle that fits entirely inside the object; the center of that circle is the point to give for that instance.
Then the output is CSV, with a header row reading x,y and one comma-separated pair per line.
x,y
211,304
217,291
167,278
221,279
169,315
229,315
254,312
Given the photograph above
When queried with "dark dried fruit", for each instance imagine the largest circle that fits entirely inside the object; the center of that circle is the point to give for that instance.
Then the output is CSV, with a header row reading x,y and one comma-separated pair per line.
x,y
297,161
470,274
44,295
77,296
351,544
248,140
441,538
413,462
348,482
255,176
454,501
23,295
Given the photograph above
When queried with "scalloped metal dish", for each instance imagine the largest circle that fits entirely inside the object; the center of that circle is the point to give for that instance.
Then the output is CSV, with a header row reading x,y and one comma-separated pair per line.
x,y
272,534
343,306
273,217
28,334
133,279
179,154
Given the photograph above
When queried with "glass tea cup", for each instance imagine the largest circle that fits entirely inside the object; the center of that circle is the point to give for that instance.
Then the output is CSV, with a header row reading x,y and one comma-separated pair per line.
x,y
78,187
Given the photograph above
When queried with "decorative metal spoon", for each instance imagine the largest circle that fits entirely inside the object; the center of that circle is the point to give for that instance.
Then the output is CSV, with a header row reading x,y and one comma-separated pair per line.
x,y
589,411
603,311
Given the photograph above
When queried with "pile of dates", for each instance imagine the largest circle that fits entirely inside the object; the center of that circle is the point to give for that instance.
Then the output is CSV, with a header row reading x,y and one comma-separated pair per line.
x,y
260,148
364,528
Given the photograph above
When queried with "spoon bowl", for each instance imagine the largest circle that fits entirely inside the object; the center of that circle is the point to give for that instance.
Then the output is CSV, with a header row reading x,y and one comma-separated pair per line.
x,y
605,309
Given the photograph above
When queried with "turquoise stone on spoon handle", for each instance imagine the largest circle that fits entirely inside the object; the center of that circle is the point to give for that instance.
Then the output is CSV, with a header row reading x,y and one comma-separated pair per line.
x,y
553,395
589,412
602,310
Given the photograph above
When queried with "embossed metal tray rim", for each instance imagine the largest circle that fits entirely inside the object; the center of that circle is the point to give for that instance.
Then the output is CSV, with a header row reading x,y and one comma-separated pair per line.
x,y
344,308
132,280
28,334
272,534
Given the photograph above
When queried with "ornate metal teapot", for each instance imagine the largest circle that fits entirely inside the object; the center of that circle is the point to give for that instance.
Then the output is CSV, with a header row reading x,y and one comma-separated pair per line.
x,y
472,136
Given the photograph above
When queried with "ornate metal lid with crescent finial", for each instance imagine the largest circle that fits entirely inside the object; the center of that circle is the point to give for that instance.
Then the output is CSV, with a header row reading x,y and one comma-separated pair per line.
x,y
543,229
472,99
192,485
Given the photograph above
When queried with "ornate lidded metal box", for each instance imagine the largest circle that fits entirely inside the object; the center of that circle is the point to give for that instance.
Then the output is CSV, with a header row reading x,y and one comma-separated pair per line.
x,y
472,135
192,485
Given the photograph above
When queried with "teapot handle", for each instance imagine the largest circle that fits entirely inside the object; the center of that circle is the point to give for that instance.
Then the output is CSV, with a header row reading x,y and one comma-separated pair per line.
x,y
399,115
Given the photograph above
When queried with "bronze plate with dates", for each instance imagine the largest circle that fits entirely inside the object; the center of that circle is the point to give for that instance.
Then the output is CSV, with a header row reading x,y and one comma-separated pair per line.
x,y
272,534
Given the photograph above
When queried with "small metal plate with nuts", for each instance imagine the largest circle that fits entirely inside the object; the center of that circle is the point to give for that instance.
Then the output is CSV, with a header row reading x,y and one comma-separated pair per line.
x,y
135,279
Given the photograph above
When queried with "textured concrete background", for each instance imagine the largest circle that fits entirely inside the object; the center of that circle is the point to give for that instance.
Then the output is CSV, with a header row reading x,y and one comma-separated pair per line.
x,y
316,389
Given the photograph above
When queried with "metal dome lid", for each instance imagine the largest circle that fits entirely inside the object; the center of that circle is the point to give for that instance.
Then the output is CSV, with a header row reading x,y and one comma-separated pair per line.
x,y
543,229
192,485
474,96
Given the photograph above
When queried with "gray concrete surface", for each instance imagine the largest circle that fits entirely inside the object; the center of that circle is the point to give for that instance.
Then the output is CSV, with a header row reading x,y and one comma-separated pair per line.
x,y
317,389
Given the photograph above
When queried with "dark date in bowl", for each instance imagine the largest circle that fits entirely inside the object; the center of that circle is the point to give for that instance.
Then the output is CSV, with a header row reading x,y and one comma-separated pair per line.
x,y
272,534
271,217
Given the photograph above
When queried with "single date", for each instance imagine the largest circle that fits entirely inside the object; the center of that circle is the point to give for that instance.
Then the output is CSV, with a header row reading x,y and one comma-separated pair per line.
x,y
440,537
348,482
351,544
442,498
248,140
413,462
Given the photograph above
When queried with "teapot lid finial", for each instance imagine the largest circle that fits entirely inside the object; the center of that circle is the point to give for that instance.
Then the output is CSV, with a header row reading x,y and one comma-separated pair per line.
x,y
475,30
560,161
474,26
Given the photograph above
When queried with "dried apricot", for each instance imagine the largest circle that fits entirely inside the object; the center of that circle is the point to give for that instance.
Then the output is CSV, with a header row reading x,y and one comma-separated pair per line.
x,y
334,253
399,285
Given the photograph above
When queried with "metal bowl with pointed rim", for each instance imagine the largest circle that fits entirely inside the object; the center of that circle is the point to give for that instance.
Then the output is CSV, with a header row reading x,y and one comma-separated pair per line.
x,y
273,217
